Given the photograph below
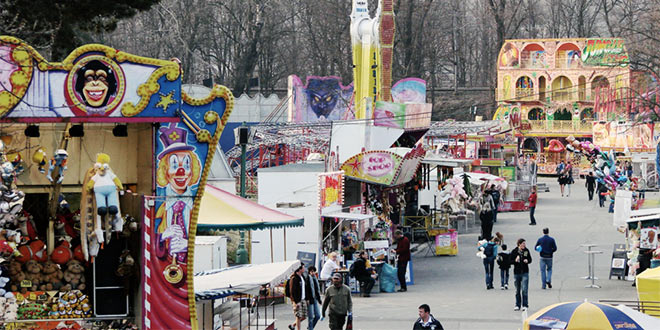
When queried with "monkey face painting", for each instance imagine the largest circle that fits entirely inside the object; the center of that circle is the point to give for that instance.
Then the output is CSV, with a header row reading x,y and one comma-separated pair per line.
x,y
95,83
95,86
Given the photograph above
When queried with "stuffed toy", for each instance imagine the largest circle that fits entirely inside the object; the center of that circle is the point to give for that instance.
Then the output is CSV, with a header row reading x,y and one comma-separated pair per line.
x,y
58,160
16,274
105,185
480,253
36,250
16,161
126,265
27,225
7,173
39,157
62,253
52,276
5,288
33,274
8,309
74,276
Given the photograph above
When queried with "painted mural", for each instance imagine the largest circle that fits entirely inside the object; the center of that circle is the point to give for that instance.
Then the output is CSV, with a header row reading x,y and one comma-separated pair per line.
x,y
97,83
319,99
604,52
509,56
409,90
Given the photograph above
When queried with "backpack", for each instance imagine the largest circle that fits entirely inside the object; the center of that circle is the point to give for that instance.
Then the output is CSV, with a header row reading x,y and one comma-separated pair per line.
x,y
287,288
489,250
351,270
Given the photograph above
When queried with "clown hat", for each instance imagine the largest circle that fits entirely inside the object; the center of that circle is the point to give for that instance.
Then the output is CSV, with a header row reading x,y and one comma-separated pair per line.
x,y
173,139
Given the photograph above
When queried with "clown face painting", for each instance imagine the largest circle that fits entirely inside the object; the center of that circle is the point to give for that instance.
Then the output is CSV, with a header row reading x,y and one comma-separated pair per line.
x,y
178,172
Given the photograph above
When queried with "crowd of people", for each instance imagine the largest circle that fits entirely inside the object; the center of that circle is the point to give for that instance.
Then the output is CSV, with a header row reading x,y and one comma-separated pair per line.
x,y
303,288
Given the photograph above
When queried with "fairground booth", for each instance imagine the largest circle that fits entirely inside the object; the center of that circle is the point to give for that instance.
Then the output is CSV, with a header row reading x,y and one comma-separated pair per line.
x,y
103,156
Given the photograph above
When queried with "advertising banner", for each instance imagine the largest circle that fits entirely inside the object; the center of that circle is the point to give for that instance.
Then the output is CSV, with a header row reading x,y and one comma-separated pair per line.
x,y
331,189
604,52
615,135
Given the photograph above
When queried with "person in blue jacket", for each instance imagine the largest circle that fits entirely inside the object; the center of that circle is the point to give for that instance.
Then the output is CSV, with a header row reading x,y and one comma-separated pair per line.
x,y
546,247
490,251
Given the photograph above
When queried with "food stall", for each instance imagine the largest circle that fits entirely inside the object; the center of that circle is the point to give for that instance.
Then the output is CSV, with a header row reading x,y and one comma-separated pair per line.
x,y
102,158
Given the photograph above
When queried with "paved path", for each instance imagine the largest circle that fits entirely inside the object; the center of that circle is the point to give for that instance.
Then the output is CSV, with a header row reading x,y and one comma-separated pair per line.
x,y
454,287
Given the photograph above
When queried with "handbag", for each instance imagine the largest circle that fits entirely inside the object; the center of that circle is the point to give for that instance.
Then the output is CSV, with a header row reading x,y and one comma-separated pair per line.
x,y
349,322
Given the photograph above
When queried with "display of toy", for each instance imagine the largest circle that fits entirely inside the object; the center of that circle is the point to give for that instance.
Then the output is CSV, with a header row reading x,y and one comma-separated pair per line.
x,y
8,309
105,185
70,304
5,288
58,160
27,226
40,158
74,277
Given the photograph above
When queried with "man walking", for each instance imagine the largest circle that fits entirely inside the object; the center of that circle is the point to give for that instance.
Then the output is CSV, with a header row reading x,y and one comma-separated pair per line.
x,y
426,320
314,299
299,292
546,246
403,251
532,206
338,299
591,185
521,258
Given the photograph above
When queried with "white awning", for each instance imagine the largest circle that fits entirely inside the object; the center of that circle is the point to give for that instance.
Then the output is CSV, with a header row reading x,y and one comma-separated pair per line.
x,y
247,279
349,216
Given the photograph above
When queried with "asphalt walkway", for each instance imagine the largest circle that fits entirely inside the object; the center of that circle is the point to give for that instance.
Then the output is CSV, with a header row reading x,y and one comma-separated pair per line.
x,y
454,286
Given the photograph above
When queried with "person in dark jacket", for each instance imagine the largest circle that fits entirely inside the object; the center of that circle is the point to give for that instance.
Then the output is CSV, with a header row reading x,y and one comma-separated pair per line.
x,y
495,194
486,216
299,291
363,274
547,247
403,252
490,251
591,185
504,262
426,320
602,194
521,258
314,299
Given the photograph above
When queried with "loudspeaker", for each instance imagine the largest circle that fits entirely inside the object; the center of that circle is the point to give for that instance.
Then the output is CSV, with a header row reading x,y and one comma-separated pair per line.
x,y
242,135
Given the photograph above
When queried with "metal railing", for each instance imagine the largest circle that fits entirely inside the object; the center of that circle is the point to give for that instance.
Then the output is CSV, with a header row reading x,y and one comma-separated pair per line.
x,y
647,307
561,126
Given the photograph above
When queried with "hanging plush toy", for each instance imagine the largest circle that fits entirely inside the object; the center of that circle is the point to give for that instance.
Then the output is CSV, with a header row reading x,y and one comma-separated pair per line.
x,y
105,185
8,174
39,157
58,160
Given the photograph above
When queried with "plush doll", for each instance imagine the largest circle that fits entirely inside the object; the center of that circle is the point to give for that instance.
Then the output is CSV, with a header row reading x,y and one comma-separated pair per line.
x,y
16,274
33,274
105,185
27,225
126,265
39,157
480,253
7,173
52,276
74,276
62,253
58,160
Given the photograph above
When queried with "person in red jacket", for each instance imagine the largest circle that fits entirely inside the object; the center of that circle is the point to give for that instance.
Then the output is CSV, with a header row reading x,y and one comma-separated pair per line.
x,y
532,206
403,251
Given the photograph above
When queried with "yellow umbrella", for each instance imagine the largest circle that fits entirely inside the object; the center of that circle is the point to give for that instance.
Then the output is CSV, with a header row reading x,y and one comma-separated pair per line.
x,y
648,286
580,316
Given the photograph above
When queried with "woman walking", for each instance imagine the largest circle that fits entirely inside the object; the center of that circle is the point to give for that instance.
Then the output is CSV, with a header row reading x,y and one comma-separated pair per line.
x,y
486,216
560,177
569,177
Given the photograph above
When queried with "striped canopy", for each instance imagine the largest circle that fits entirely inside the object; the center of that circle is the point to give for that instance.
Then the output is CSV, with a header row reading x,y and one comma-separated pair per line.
x,y
225,211
581,316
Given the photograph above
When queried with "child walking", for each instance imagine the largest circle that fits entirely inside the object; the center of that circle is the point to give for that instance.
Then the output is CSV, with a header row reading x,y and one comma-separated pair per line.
x,y
504,263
